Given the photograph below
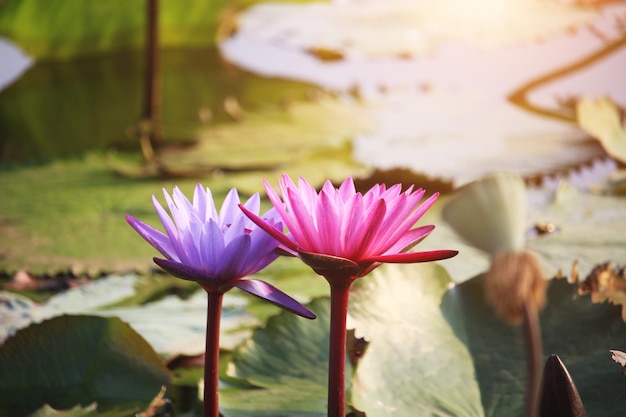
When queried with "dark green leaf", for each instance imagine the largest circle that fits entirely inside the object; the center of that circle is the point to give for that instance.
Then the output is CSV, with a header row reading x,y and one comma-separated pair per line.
x,y
579,332
77,360
288,361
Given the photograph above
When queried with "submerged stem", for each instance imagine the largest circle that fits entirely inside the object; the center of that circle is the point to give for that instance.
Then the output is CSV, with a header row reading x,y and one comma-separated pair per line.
x,y
212,354
534,353
339,295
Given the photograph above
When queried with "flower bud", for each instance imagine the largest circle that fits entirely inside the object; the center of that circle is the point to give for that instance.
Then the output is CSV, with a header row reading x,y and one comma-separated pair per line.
x,y
514,278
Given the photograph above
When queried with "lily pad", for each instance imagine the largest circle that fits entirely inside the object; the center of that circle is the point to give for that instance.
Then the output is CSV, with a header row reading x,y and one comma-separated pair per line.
x,y
414,363
54,31
601,119
580,332
171,325
588,231
72,360
287,361
405,27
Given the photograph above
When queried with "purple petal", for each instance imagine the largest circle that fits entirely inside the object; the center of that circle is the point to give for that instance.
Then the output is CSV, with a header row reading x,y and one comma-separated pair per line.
x,y
180,270
229,210
275,296
232,262
211,246
153,236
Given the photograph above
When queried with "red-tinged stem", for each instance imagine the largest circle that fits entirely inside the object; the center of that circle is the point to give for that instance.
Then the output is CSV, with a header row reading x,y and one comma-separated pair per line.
x,y
212,354
532,334
339,295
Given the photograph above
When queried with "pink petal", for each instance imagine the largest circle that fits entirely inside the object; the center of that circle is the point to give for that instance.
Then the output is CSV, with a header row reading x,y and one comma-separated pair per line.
x,y
366,232
275,233
305,233
410,239
414,257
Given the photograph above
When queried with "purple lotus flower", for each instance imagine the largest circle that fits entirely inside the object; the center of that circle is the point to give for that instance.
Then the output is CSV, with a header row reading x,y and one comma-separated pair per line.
x,y
217,250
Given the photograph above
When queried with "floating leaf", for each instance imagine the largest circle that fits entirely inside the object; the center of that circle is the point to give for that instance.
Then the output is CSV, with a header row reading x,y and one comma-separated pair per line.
x,y
57,29
601,119
606,283
405,27
414,364
575,329
287,361
78,411
588,231
72,360
171,325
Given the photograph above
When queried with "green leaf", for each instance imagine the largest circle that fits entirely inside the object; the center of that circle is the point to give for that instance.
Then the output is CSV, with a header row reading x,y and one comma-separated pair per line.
x,y
77,360
61,29
414,364
580,332
288,361
589,230
67,28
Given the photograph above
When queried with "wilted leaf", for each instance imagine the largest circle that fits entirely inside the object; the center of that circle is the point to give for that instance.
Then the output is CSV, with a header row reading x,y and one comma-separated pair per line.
x,y
72,360
620,358
414,363
606,283
601,119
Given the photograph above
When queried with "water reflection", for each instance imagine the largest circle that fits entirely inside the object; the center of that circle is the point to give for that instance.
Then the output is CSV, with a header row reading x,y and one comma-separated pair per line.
x,y
62,109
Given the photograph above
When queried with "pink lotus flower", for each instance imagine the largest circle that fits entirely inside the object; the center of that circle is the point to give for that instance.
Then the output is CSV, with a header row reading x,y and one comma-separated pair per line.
x,y
340,227
343,235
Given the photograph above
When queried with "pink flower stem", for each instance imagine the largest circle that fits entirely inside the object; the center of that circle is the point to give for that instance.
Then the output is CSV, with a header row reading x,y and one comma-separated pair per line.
x,y
339,295
212,354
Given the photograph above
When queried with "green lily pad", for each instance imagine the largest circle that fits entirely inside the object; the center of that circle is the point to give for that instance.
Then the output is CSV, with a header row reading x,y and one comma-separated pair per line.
x,y
72,360
588,231
580,332
414,363
171,325
66,29
287,360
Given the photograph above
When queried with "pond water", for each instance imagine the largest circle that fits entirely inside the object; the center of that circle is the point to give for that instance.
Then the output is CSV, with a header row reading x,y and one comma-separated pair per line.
x,y
434,102
62,109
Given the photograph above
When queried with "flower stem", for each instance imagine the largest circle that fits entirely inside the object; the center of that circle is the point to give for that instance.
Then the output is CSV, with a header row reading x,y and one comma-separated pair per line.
x,y
212,354
534,352
339,295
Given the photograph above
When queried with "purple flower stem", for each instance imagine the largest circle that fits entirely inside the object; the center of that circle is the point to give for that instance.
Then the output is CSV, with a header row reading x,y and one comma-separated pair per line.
x,y
339,295
212,354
